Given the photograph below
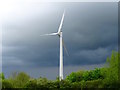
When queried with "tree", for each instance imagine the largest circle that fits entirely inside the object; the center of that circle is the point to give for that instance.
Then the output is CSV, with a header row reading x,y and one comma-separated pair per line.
x,y
75,76
19,79
112,73
2,76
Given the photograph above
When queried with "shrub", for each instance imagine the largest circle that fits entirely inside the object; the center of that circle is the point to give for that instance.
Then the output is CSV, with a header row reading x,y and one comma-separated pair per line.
x,y
2,76
75,76
53,84
6,84
85,75
32,83
56,84
76,85
93,75
19,79
113,84
94,84
42,82
65,84
113,70
82,84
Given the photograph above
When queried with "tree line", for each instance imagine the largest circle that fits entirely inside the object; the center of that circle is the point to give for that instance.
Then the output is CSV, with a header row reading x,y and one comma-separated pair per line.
x,y
105,77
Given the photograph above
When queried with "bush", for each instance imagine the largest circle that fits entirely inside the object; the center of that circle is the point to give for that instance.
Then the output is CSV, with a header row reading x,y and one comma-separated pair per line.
x,y
113,84
32,83
75,76
113,70
65,84
42,82
2,76
19,79
93,75
76,85
85,75
94,84
82,84
53,84
6,84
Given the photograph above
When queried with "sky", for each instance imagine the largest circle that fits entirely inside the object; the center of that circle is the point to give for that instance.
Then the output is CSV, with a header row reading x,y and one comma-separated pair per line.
x,y
90,33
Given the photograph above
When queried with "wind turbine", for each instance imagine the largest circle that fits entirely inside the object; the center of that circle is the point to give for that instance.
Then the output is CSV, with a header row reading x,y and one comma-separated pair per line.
x,y
59,33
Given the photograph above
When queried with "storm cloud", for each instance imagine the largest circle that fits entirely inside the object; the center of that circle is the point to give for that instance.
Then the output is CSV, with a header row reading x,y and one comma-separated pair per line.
x,y
90,32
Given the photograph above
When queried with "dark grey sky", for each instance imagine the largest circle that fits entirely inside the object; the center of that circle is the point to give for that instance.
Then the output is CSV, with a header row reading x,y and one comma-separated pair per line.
x,y
90,32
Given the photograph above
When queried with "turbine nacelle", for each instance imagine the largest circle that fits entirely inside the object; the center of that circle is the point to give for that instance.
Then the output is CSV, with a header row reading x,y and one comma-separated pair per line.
x,y
52,34
59,29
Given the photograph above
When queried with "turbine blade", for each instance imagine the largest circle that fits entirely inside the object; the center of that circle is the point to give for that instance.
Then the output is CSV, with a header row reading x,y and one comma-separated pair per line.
x,y
60,27
51,34
65,48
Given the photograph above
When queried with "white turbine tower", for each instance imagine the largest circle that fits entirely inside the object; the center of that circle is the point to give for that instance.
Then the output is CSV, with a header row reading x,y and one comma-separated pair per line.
x,y
59,33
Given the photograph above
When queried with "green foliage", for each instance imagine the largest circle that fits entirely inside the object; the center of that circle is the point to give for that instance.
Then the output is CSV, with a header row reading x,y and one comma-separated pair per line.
x,y
94,84
82,84
6,84
18,80
65,84
2,76
75,76
104,72
32,83
112,72
42,82
93,75
106,77
76,85
85,75
53,84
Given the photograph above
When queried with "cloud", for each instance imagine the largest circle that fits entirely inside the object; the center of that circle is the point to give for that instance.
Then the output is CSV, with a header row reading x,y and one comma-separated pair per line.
x,y
90,33
49,72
